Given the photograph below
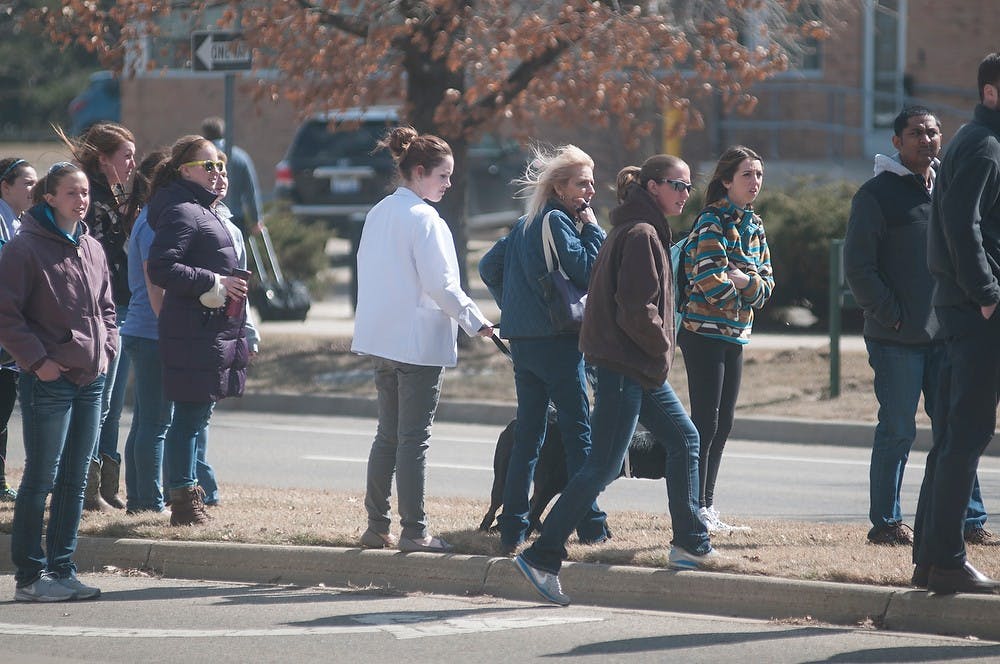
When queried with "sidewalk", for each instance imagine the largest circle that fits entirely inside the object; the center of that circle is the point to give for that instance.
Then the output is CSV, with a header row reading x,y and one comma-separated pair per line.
x,y
643,588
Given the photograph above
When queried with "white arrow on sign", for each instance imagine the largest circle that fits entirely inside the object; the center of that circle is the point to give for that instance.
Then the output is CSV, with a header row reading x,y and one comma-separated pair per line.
x,y
223,51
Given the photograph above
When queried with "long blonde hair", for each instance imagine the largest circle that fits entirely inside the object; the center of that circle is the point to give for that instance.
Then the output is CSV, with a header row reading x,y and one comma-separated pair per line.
x,y
547,169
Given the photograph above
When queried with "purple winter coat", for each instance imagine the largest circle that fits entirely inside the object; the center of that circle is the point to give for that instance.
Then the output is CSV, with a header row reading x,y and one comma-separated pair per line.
x,y
204,353
56,301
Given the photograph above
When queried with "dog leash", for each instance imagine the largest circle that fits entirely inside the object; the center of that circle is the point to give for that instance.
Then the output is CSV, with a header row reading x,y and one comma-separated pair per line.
x,y
498,342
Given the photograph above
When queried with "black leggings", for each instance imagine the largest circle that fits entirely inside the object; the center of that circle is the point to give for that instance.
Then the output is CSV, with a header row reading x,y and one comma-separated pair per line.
x,y
8,394
714,369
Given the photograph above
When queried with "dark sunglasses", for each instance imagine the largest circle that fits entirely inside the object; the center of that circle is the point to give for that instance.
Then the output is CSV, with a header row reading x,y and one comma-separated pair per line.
x,y
208,164
678,185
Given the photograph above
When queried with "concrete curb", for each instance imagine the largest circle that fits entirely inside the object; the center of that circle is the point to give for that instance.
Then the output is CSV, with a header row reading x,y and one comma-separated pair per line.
x,y
614,586
747,427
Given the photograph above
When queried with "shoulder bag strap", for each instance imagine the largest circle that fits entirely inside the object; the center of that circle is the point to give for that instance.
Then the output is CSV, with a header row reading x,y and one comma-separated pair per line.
x,y
549,245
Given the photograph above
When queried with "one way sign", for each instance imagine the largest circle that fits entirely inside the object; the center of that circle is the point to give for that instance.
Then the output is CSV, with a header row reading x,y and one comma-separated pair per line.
x,y
213,50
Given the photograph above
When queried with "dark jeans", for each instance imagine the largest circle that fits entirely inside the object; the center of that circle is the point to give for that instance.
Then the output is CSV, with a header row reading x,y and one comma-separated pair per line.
x,y
8,395
113,399
714,370
181,444
151,413
620,402
547,369
902,373
60,421
963,425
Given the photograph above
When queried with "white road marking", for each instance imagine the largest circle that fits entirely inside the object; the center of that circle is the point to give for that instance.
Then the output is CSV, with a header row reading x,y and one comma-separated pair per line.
x,y
449,466
729,455
400,625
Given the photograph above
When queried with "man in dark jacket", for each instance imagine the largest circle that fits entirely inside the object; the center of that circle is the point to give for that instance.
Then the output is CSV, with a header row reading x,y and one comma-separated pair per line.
x,y
885,259
963,254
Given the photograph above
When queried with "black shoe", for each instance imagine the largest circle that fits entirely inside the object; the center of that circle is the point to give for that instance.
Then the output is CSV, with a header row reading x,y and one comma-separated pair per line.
x,y
965,579
897,534
920,574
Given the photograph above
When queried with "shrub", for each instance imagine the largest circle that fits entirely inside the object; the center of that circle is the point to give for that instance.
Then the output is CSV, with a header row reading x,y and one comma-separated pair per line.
x,y
800,219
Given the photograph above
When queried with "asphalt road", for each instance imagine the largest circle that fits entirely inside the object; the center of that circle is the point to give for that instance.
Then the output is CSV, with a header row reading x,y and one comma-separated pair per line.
x,y
760,480
170,620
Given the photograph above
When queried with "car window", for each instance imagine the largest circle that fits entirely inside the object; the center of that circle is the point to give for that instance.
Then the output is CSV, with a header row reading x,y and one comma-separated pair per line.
x,y
319,143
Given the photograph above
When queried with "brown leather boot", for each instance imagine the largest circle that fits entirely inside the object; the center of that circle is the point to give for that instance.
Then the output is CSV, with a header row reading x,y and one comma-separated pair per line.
x,y
187,507
110,479
92,500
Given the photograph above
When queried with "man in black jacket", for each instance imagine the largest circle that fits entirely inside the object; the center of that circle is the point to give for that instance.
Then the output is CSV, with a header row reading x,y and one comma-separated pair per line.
x,y
964,256
885,259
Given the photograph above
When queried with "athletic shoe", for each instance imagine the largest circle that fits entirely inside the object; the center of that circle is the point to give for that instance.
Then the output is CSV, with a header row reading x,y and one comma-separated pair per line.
x,y
684,559
896,534
7,494
721,526
46,588
545,583
705,516
980,535
80,591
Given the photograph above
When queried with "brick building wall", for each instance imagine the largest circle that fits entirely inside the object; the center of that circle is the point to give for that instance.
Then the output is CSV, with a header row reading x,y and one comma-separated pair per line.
x,y
161,109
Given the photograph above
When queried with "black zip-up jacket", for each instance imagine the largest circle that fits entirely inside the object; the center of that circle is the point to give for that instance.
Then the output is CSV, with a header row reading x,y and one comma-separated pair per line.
x,y
885,256
963,250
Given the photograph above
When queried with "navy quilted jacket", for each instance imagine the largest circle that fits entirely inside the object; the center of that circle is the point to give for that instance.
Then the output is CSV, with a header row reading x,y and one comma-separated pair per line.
x,y
204,353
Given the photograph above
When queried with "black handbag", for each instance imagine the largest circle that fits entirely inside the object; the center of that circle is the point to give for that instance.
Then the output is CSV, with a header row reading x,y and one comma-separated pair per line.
x,y
276,298
563,299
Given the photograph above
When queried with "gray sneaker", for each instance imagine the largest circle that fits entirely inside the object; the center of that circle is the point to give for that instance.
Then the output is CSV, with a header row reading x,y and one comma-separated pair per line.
x,y
546,583
80,591
45,588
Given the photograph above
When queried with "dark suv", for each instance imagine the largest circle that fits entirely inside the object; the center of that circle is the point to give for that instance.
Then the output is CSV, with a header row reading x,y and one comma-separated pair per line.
x,y
332,173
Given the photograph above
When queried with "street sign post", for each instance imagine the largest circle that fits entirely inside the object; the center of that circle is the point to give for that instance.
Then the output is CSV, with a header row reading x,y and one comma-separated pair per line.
x,y
216,50
222,51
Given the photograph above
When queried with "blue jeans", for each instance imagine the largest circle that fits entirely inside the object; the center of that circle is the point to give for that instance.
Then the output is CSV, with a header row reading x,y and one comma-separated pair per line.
x,y
113,399
151,414
547,369
181,444
964,423
203,470
408,396
902,373
620,403
60,422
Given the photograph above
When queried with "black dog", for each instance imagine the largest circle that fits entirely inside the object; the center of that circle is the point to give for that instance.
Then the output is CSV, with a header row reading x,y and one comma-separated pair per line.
x,y
646,459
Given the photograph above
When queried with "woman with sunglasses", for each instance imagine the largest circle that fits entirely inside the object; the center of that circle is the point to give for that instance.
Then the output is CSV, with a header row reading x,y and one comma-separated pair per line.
x,y
628,335
57,319
17,177
203,347
106,153
728,268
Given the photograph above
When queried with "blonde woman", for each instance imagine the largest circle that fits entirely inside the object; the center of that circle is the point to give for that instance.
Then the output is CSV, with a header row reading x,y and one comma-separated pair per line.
x,y
548,364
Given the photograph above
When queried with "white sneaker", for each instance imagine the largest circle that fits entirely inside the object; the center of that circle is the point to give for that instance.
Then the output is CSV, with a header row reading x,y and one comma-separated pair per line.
x,y
705,516
684,559
721,526
46,588
545,583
